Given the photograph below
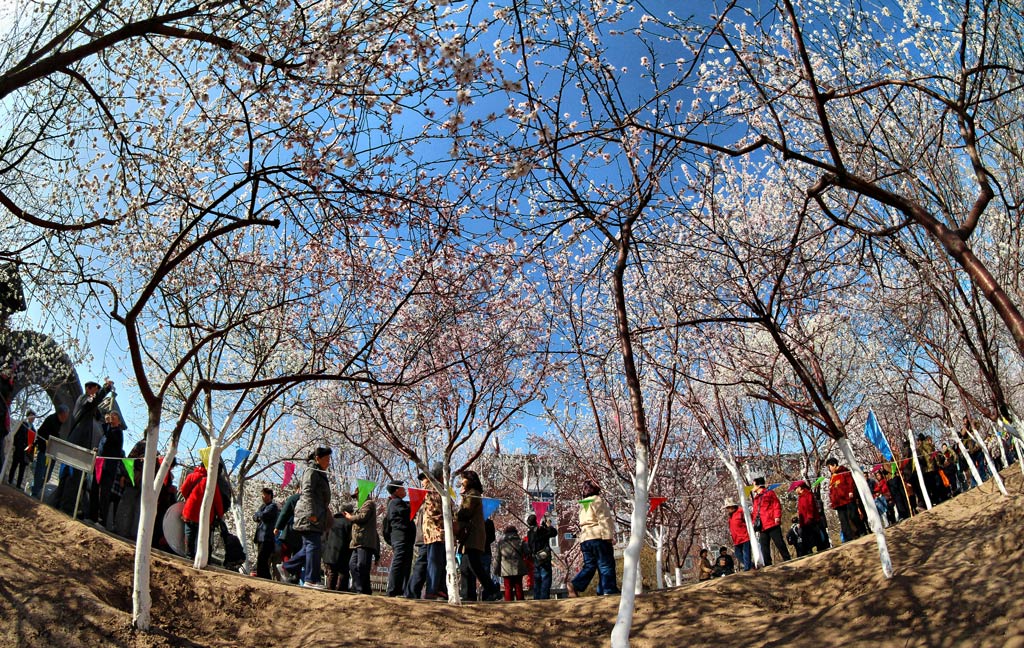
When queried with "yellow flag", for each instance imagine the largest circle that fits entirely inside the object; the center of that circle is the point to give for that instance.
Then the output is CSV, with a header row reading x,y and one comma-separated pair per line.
x,y
204,454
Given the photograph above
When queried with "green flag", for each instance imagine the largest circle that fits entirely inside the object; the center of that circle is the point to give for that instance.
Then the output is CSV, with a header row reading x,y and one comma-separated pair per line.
x,y
129,467
818,481
365,487
586,503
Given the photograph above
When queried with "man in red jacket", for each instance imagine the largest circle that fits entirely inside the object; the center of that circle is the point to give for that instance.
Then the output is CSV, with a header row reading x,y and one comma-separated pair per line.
x,y
843,498
768,510
810,519
740,536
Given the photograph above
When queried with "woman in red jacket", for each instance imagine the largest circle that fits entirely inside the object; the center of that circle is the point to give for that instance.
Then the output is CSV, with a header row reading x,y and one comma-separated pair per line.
x,y
842,496
768,510
740,536
192,489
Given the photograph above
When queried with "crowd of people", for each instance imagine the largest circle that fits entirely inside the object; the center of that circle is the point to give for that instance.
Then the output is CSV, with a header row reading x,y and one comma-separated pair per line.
x,y
895,487
321,550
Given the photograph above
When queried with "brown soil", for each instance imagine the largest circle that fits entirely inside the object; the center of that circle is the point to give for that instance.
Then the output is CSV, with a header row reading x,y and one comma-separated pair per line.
x,y
958,582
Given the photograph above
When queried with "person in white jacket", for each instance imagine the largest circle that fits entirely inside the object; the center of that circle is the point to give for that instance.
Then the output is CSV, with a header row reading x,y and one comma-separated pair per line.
x,y
597,533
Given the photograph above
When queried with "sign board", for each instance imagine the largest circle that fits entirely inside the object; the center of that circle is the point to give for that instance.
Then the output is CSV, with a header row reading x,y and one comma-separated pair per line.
x,y
70,454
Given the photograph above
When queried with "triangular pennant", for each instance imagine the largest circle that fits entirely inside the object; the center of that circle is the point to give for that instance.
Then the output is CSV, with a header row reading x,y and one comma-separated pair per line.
x,y
289,470
204,455
240,455
893,470
490,505
365,487
586,503
539,509
129,467
818,481
416,497
31,439
99,468
655,502
772,486
747,490
451,492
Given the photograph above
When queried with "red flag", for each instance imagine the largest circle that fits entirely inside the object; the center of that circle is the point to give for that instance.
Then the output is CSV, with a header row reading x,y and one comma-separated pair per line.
x,y
289,470
540,508
655,503
416,497
31,438
99,468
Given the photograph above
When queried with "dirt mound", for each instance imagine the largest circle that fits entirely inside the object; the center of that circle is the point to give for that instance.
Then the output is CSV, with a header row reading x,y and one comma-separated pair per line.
x,y
958,574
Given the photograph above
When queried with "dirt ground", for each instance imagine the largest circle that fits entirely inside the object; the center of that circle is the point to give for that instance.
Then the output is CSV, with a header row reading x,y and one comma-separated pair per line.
x,y
958,582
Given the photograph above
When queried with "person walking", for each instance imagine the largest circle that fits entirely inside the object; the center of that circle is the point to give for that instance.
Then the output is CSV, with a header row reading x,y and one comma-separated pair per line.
x,y
810,520
193,489
338,551
472,533
739,534
597,533
365,544
264,517
768,511
84,420
111,448
510,563
21,449
842,497
312,518
400,533
429,569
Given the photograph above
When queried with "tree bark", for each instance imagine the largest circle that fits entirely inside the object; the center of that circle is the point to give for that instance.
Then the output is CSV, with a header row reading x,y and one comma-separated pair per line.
x,y
874,519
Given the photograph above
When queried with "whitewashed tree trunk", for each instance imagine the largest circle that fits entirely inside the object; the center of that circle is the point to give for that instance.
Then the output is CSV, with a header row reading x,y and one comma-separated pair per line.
x,y
659,571
8,445
967,457
451,565
756,557
1002,447
988,461
631,556
1020,453
240,524
639,587
203,543
918,470
874,519
149,489
679,576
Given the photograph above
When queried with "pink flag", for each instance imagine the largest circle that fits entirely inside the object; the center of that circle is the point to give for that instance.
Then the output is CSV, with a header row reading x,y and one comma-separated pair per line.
x,y
416,497
289,470
540,508
655,502
99,468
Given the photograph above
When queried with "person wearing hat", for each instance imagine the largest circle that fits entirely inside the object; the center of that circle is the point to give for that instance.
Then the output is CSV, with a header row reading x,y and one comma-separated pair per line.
x,y
429,569
365,543
768,510
740,535
51,427
399,531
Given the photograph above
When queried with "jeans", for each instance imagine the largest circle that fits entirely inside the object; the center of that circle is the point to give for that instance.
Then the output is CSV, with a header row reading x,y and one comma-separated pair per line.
x,y
542,581
361,566
599,557
742,552
191,538
308,558
418,573
40,475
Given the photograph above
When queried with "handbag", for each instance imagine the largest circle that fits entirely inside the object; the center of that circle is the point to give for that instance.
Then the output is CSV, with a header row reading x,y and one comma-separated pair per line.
x,y
757,517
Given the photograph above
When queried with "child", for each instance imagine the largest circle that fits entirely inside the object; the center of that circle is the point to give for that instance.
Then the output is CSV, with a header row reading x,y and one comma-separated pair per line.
x,y
510,563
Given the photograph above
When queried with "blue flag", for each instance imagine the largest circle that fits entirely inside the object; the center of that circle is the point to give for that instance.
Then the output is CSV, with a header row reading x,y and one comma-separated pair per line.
x,y
874,434
490,506
240,456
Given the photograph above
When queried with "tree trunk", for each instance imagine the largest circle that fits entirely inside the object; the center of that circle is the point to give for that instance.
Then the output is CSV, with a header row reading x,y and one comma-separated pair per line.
x,y
451,565
874,519
240,522
679,576
149,489
1002,446
203,543
631,556
917,469
967,457
1020,453
756,557
988,460
659,571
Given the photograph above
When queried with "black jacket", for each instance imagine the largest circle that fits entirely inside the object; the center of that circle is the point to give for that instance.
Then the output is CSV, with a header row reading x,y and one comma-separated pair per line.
x,y
398,528
538,541
50,427
289,536
266,516
336,550
20,442
85,414
113,441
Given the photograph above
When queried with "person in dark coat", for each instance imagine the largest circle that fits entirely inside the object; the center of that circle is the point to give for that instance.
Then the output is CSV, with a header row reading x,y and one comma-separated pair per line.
x,y
538,540
312,518
84,419
111,448
6,393
51,427
400,532
473,536
365,544
338,551
21,450
265,517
